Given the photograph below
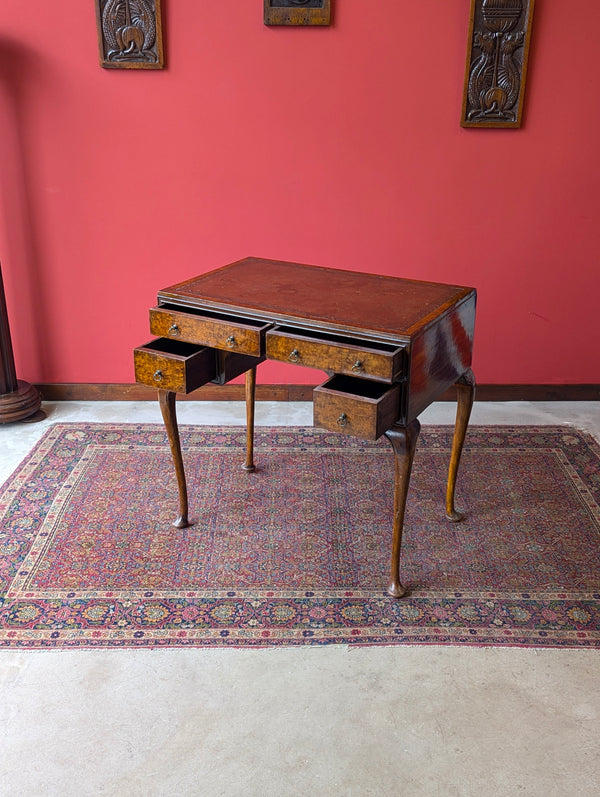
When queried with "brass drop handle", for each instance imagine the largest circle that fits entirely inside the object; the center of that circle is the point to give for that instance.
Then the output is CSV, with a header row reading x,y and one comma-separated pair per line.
x,y
158,376
357,367
230,341
294,355
343,419
174,330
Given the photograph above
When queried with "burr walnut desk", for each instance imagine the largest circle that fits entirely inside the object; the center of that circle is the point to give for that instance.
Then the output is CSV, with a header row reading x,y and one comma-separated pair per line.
x,y
390,346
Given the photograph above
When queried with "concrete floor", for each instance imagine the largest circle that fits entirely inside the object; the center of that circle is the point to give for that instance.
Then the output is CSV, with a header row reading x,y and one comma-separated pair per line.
x,y
291,722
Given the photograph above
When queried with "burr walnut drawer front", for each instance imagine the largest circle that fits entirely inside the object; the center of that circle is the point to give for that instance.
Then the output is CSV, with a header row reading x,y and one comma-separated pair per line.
x,y
209,328
174,365
379,360
358,407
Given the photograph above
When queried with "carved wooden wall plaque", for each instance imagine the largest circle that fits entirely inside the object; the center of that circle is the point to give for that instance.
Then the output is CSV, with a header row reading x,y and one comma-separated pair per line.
x,y
130,34
297,12
498,49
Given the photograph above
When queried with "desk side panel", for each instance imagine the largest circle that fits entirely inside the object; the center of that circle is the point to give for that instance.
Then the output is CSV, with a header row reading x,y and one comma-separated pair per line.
x,y
440,356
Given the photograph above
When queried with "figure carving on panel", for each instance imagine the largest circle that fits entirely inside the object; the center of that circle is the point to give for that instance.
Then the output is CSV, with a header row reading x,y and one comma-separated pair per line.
x,y
130,33
497,62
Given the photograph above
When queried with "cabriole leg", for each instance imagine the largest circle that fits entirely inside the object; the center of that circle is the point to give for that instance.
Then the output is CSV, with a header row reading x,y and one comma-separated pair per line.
x,y
250,403
404,442
166,400
466,395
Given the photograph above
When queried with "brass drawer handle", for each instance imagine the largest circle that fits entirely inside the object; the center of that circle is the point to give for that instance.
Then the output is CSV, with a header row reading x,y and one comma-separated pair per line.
x,y
343,419
158,376
230,341
174,330
294,355
357,367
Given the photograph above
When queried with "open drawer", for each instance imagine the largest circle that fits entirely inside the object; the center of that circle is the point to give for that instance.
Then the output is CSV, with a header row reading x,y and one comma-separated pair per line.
x,y
358,407
381,360
209,328
174,365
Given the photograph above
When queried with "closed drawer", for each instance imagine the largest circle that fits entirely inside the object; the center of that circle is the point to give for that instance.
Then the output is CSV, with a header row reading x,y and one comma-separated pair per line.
x,y
208,328
358,407
330,352
174,365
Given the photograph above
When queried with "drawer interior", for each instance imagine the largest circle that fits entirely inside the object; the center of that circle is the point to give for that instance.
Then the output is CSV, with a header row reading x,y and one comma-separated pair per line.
x,y
354,386
215,315
179,348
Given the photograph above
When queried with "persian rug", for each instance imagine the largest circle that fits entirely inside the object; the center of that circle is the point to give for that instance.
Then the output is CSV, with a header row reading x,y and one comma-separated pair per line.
x,y
298,552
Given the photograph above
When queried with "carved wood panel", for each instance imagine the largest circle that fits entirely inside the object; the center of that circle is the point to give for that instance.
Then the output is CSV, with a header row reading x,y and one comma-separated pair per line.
x,y
498,50
297,12
130,34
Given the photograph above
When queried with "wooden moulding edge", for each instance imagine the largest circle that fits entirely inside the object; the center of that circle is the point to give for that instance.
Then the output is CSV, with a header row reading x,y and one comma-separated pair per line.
x,y
235,392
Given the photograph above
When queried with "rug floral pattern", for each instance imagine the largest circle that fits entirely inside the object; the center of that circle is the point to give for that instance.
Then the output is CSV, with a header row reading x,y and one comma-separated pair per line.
x,y
298,552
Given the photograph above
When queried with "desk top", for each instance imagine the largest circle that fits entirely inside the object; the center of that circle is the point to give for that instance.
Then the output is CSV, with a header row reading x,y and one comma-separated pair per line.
x,y
282,291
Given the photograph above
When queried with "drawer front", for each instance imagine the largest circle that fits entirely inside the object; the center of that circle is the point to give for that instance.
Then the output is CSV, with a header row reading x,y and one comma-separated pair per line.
x,y
174,365
356,406
370,359
210,329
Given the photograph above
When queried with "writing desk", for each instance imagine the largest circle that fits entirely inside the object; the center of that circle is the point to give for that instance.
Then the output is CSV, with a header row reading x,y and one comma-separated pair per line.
x,y
390,346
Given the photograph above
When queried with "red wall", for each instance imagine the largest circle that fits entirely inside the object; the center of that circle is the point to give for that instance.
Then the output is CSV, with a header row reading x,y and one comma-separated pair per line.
x,y
336,146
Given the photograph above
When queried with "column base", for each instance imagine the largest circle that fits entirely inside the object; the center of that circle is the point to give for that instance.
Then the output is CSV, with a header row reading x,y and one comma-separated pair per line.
x,y
21,404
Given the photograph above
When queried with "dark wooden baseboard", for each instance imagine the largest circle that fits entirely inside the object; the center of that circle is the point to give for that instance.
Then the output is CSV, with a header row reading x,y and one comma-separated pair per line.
x,y
134,392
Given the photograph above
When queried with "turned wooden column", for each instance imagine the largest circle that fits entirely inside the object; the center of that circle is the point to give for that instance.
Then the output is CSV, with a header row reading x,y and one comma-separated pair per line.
x,y
18,400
